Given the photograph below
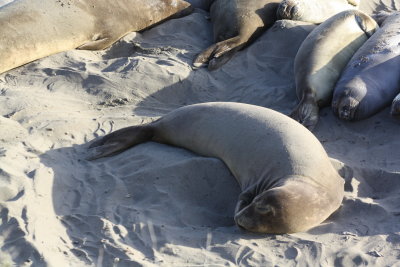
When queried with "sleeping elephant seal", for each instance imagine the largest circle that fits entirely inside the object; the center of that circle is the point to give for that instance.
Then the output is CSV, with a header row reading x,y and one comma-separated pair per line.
x,y
287,180
321,58
314,11
32,29
371,79
236,23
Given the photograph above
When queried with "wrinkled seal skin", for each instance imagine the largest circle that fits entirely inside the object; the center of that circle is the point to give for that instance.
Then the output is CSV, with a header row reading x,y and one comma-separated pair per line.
x,y
314,11
371,79
287,180
322,57
236,23
32,29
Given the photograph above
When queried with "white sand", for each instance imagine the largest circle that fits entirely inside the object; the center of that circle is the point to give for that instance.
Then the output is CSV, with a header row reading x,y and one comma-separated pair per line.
x,y
160,205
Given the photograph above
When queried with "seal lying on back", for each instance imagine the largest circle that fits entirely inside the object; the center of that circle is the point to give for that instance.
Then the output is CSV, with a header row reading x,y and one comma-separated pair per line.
x,y
236,23
287,180
372,78
32,29
321,58
314,11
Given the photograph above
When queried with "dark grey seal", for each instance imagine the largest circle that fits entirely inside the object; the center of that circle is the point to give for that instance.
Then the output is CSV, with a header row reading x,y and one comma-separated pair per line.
x,y
288,182
371,79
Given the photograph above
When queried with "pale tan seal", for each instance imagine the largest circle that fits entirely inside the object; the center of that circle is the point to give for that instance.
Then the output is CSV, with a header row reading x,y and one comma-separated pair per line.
x,y
236,23
32,29
314,11
288,182
322,57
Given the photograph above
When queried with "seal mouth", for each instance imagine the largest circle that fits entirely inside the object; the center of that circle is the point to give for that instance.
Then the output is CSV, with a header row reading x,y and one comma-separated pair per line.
x,y
347,108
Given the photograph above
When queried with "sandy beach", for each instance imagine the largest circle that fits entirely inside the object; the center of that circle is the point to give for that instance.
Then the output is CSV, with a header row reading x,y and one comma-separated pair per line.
x,y
157,205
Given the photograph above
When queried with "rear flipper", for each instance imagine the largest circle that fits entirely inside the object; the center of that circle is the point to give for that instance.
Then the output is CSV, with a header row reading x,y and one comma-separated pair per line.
x,y
306,113
355,3
119,141
97,43
219,53
395,110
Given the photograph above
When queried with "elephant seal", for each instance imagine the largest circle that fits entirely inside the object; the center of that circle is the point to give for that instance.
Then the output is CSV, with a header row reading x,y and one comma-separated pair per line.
x,y
314,11
236,23
321,58
287,180
32,29
371,79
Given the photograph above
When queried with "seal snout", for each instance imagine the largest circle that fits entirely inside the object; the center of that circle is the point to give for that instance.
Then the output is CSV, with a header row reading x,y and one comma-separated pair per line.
x,y
287,10
347,107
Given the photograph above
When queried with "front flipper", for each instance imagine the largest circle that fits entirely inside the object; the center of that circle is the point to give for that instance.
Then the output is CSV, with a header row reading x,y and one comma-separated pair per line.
x,y
120,140
306,112
220,53
97,44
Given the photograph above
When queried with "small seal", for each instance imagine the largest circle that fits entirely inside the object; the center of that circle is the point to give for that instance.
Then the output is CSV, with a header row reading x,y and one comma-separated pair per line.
x,y
288,182
236,24
32,29
321,58
314,11
371,79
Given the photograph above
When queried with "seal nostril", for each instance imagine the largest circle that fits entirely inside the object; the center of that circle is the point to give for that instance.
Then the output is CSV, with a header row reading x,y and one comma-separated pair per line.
x,y
293,11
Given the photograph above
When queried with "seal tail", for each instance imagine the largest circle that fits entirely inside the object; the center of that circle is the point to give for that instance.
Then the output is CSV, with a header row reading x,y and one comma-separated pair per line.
x,y
120,140
218,54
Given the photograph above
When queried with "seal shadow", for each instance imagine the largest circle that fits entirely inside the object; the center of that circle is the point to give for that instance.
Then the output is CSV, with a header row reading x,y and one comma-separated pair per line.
x,y
269,65
122,204
370,206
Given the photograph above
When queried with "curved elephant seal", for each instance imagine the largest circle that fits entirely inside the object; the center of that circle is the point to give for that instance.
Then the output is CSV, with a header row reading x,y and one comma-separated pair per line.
x,y
32,29
371,79
287,180
236,23
321,58
315,11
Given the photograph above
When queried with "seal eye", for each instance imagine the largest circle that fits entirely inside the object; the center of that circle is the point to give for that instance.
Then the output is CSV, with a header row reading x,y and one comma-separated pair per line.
x,y
263,209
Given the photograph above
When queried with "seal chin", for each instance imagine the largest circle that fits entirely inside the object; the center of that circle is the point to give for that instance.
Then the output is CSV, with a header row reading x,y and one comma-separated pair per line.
x,y
347,108
245,219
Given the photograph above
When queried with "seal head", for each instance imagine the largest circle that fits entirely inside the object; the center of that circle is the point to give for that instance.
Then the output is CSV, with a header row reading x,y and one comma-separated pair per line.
x,y
293,207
